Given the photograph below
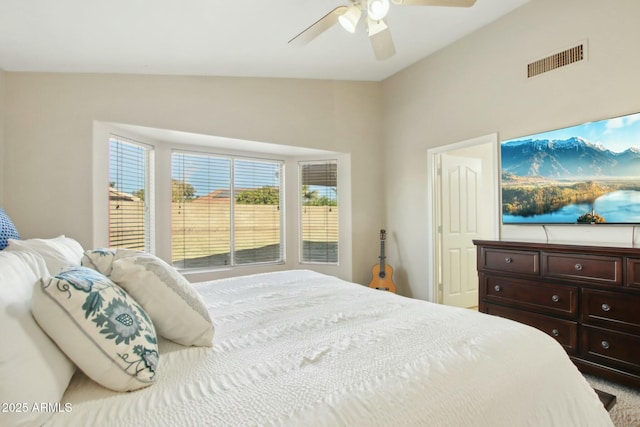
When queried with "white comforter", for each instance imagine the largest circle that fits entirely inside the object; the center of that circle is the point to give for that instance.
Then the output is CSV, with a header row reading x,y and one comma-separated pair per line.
x,y
299,348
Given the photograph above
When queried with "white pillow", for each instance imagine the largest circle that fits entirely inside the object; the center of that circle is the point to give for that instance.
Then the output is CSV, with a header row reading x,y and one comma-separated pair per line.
x,y
58,253
33,369
176,308
101,328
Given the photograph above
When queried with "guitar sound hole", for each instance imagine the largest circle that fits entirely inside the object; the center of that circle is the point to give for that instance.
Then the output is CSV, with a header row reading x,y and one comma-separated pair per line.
x,y
382,274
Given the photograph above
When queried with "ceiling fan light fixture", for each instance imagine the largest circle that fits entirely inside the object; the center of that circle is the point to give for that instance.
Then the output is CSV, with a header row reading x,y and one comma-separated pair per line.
x,y
377,9
349,20
374,27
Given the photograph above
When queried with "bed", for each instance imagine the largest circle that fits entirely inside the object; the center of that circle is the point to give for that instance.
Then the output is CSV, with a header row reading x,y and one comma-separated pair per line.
x,y
291,348
299,348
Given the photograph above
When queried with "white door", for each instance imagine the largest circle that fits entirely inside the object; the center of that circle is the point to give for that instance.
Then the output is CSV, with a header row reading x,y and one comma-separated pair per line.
x,y
460,201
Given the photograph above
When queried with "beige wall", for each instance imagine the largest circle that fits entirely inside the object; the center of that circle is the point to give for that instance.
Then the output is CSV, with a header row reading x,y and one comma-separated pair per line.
x,y
2,110
49,125
475,87
478,86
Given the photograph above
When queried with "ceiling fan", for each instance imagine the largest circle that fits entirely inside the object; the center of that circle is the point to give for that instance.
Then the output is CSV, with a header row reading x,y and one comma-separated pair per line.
x,y
375,11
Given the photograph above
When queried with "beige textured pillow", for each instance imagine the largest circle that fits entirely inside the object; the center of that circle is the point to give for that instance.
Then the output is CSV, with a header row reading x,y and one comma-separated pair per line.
x,y
99,327
176,308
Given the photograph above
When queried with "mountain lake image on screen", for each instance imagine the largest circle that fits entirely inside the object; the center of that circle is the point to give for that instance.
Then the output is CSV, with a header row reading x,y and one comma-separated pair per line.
x,y
589,173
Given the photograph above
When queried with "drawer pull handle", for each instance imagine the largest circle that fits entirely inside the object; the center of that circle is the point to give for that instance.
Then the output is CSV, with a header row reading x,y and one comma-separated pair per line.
x,y
555,298
578,267
605,345
555,333
606,307
508,260
498,288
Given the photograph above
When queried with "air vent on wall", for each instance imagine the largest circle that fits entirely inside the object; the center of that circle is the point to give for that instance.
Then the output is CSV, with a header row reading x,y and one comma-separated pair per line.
x,y
557,60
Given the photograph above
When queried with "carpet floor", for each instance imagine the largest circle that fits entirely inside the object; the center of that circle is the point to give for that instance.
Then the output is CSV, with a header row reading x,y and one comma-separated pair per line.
x,y
626,411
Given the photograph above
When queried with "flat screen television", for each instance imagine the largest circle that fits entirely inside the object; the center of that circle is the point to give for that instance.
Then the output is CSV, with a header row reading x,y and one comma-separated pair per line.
x,y
589,173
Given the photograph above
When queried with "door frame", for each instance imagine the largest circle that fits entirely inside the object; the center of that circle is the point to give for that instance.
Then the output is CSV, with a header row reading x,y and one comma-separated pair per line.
x,y
433,196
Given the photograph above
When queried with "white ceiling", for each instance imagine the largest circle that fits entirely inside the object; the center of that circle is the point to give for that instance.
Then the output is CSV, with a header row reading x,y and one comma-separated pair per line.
x,y
221,38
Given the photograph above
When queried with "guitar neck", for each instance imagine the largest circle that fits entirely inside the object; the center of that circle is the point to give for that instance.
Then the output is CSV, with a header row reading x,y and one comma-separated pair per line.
x,y
382,256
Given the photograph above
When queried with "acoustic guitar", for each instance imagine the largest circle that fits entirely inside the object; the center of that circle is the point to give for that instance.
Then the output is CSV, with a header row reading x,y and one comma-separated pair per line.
x,y
382,272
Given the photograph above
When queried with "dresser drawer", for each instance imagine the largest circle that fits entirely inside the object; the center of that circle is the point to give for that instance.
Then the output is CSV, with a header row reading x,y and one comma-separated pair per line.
x,y
564,331
633,272
591,268
611,309
611,347
560,300
524,262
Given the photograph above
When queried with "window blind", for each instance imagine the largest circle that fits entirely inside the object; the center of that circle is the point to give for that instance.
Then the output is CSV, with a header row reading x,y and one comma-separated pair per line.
x,y
130,195
200,211
319,211
225,211
257,219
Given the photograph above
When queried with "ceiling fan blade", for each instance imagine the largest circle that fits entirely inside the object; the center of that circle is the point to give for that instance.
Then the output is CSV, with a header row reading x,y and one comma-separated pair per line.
x,y
382,43
318,27
451,3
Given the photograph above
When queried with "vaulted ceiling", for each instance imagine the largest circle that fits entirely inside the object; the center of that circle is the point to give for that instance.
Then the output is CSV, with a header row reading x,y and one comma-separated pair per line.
x,y
221,38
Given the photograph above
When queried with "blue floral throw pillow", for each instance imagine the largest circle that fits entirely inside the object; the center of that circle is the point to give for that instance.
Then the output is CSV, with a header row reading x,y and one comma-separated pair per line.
x,y
102,259
99,327
7,230
99,259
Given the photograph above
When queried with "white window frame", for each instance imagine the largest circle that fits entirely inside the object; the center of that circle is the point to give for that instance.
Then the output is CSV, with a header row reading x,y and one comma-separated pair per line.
x,y
232,178
302,207
149,187
164,141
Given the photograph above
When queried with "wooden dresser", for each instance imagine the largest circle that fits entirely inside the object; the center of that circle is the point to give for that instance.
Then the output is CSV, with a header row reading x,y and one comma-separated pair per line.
x,y
586,297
